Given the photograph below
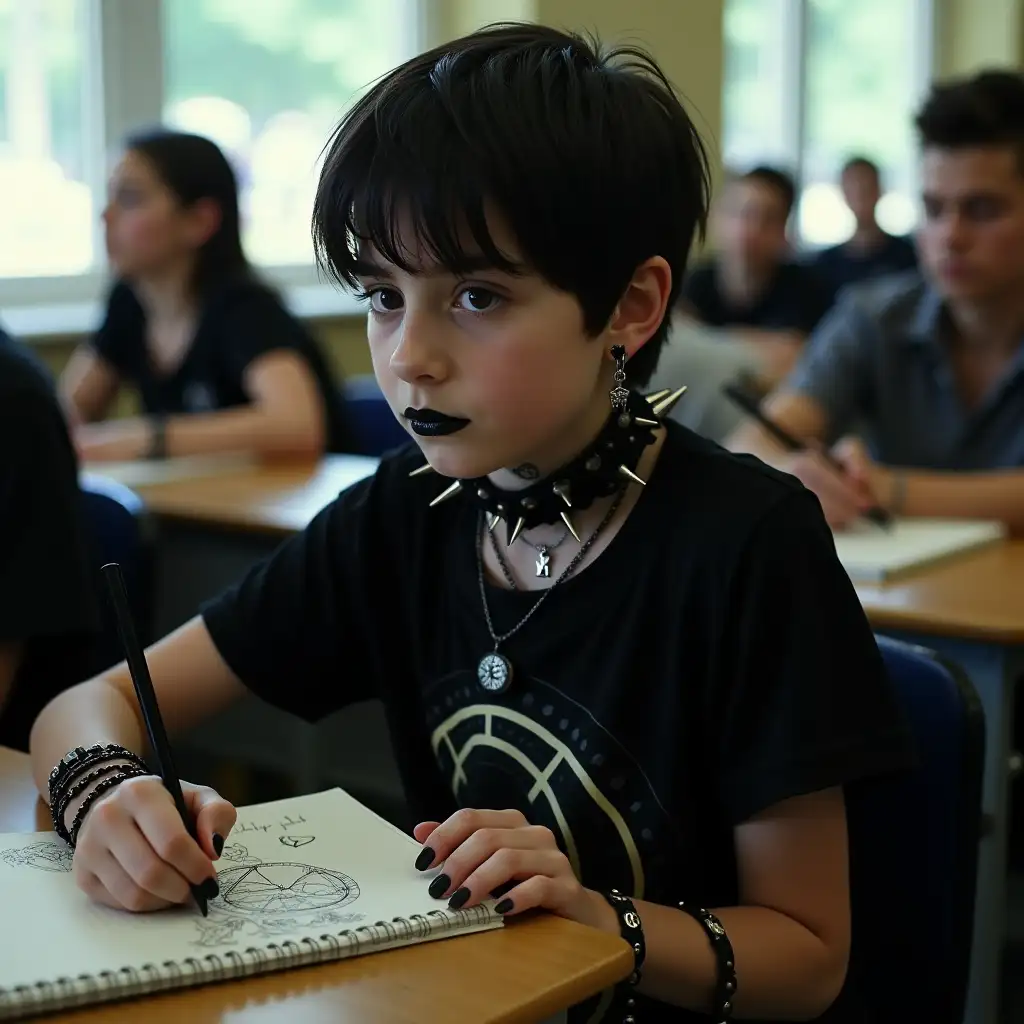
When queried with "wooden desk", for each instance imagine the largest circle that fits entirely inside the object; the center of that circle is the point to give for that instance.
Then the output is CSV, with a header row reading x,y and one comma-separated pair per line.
x,y
523,973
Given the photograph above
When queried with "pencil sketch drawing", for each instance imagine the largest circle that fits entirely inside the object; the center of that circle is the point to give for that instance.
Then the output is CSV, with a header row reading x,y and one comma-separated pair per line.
x,y
45,856
284,888
295,841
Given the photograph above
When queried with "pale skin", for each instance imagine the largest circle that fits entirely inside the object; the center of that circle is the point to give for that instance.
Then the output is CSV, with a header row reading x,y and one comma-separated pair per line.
x,y
972,247
475,348
152,240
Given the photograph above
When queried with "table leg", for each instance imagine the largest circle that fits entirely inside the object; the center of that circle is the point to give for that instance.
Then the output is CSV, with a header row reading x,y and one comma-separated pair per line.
x,y
993,670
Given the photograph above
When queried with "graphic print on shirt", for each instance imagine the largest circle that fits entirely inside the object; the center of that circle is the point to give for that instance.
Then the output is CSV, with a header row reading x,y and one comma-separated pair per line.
x,y
538,751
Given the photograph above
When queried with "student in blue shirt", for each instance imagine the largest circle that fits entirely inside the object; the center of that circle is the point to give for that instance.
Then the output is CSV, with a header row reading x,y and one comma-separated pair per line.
x,y
928,369
219,364
592,684
870,251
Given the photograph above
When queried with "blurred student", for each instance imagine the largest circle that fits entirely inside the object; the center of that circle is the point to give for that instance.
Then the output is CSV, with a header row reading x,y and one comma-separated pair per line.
x,y
753,285
930,371
218,362
48,616
870,251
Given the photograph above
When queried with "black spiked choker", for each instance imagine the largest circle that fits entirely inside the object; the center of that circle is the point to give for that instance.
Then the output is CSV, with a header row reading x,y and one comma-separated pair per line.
x,y
607,464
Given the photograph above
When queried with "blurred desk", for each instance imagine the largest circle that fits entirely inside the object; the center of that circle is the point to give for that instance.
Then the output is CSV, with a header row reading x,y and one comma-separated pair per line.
x,y
524,972
971,610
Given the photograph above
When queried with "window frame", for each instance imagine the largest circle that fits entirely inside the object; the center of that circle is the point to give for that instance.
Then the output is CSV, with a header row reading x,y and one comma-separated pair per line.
x,y
123,88
792,93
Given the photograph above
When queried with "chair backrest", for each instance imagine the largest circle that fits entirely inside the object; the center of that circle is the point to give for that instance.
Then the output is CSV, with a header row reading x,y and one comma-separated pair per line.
x,y
914,849
372,423
117,531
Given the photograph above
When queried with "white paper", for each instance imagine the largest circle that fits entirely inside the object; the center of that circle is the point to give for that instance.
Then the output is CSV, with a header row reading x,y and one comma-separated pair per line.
x,y
870,553
293,869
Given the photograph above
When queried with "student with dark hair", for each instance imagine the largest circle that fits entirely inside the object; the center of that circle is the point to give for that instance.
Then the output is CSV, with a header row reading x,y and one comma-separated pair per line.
x,y
930,370
752,285
48,615
870,251
218,362
591,684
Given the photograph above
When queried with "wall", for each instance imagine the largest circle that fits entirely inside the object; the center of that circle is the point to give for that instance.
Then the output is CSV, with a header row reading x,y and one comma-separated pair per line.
x,y
971,34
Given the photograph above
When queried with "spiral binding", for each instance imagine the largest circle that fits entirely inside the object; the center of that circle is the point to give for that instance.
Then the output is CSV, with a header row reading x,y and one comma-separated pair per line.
x,y
88,989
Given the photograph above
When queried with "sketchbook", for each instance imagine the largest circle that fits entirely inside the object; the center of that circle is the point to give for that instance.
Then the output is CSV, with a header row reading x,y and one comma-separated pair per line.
x,y
302,881
871,554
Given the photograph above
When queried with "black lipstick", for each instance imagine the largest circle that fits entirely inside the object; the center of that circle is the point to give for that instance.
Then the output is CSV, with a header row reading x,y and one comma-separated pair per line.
x,y
431,423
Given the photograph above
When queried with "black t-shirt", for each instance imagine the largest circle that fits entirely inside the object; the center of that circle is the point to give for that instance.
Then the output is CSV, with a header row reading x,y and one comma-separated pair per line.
x,y
713,661
842,265
240,322
795,300
47,599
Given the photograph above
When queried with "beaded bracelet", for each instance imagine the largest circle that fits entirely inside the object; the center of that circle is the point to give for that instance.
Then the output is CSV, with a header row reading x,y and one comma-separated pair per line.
x,y
76,761
78,786
725,985
631,929
91,798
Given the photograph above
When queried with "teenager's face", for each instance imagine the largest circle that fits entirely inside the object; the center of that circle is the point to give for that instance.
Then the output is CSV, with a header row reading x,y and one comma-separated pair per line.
x,y
861,191
507,355
971,239
750,224
148,231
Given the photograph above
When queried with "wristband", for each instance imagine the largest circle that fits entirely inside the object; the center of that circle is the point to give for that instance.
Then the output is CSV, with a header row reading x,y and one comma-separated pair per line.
x,y
725,984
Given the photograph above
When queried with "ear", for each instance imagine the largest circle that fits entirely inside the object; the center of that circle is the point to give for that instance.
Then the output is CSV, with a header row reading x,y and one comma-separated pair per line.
x,y
204,218
642,307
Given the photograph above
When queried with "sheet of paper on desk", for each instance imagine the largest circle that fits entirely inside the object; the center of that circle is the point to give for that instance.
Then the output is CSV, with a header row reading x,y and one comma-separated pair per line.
x,y
871,554
300,872
147,472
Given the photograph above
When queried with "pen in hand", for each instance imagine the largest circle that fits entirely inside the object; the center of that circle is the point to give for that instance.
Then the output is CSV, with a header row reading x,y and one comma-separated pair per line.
x,y
752,408
158,741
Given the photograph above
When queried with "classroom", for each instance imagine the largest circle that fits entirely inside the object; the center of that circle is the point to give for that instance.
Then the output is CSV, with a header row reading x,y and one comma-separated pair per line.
x,y
512,511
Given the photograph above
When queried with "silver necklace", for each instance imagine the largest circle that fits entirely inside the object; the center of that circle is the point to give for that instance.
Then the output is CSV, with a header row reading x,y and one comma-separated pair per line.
x,y
543,563
494,671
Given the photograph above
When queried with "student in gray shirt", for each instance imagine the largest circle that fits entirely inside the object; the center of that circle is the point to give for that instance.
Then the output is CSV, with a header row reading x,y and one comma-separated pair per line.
x,y
928,370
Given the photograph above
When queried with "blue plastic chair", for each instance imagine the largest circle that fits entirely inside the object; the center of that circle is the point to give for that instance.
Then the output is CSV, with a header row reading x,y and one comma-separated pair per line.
x,y
118,531
914,849
371,422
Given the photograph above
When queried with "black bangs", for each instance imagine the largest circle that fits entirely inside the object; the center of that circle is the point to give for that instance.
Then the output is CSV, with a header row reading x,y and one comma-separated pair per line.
x,y
411,191
584,160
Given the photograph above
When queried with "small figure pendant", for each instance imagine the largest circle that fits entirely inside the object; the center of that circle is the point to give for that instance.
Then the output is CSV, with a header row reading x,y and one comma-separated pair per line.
x,y
543,562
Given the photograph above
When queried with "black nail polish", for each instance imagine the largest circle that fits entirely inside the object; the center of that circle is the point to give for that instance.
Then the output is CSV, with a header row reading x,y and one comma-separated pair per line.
x,y
503,907
505,887
218,843
425,859
210,889
459,897
439,886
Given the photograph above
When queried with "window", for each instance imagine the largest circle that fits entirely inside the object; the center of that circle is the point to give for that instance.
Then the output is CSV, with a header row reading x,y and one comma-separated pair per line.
x,y
809,83
266,80
47,205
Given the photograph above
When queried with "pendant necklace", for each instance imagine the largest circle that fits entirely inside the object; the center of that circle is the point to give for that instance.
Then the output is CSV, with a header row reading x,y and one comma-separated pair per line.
x,y
494,671
542,565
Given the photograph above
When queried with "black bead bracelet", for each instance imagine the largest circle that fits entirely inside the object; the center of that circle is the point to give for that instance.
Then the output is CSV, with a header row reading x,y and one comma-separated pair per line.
x,y
94,795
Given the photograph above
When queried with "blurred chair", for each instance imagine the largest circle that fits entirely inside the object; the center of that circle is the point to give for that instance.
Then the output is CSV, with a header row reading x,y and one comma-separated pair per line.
x,y
117,530
914,849
372,423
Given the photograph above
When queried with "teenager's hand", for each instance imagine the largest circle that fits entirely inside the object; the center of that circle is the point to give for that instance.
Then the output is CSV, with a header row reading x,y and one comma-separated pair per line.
x,y
484,851
133,851
844,495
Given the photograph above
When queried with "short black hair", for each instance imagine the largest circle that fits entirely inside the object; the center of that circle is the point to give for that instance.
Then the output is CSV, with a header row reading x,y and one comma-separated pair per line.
x,y
864,163
986,109
774,178
586,153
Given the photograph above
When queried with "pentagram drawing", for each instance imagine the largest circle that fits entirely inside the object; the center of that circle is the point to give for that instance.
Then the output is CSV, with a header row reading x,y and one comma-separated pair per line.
x,y
279,888
42,856
295,841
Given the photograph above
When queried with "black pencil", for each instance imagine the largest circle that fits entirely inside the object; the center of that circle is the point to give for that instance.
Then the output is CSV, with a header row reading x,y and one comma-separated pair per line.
x,y
160,745
752,408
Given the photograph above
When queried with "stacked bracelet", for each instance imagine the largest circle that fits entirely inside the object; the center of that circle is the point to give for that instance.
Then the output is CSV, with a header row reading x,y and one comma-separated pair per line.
x,y
71,776
725,986
94,795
